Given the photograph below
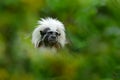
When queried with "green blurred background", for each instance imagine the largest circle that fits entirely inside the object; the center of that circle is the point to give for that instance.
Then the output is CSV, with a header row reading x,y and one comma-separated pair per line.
x,y
93,32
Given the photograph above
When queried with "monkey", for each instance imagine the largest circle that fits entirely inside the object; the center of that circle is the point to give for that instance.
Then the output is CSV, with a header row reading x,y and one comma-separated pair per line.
x,y
49,33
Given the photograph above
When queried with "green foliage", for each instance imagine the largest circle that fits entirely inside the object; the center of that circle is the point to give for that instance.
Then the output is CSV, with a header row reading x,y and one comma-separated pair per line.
x,y
92,28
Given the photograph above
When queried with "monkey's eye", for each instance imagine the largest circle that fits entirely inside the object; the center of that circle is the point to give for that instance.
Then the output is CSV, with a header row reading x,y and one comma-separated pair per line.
x,y
57,33
50,32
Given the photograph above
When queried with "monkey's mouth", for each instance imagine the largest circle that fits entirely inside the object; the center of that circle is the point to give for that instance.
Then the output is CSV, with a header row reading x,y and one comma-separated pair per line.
x,y
52,40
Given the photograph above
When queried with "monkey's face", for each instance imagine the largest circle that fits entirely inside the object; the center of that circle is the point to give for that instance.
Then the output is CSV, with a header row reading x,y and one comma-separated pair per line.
x,y
50,37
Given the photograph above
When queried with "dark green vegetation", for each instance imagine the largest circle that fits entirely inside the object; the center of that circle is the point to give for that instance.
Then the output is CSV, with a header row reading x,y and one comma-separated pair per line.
x,y
93,30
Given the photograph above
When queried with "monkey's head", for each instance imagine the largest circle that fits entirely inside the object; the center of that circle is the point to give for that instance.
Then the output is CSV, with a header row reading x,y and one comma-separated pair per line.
x,y
49,33
49,37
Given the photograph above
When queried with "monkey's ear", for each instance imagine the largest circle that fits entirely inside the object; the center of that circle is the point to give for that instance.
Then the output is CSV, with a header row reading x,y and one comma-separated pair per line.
x,y
41,32
59,34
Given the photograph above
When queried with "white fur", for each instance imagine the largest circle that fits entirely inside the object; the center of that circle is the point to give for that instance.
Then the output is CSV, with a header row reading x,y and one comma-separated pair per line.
x,y
54,25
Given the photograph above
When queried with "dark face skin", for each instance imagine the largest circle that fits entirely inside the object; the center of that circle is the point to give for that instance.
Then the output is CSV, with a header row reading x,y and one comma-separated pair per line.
x,y
49,38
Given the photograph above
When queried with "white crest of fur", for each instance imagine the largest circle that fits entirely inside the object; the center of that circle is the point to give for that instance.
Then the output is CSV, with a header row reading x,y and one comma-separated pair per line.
x,y
54,25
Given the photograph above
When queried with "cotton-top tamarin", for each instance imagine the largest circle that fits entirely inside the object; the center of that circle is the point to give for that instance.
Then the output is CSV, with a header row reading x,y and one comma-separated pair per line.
x,y
49,33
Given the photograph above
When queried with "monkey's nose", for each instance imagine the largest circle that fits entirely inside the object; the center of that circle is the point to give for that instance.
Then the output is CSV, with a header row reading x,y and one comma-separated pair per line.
x,y
53,37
